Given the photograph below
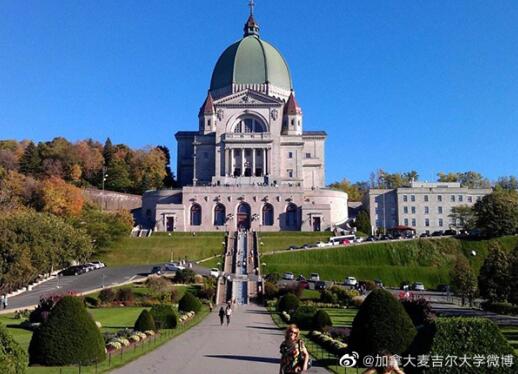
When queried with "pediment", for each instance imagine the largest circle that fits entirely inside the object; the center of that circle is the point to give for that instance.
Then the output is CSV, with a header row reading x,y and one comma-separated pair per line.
x,y
248,98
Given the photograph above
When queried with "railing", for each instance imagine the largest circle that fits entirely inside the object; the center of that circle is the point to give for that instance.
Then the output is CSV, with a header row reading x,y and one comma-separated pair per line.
x,y
258,136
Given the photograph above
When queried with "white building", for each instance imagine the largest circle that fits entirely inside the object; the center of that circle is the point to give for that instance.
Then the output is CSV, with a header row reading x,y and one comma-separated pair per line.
x,y
250,164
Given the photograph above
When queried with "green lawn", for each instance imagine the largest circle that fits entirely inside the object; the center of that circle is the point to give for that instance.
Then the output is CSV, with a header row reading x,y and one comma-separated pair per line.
x,y
277,241
427,260
160,247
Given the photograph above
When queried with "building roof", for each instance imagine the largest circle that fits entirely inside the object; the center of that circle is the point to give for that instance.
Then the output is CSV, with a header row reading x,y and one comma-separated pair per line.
x,y
292,107
186,133
207,106
314,133
251,60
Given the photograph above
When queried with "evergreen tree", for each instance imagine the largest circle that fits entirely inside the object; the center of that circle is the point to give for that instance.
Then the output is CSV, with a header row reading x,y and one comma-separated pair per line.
x,y
464,280
493,280
108,151
30,162
169,178
363,222
118,178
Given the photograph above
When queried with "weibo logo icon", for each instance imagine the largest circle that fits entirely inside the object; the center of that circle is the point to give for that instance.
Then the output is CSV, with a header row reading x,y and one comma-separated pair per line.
x,y
349,360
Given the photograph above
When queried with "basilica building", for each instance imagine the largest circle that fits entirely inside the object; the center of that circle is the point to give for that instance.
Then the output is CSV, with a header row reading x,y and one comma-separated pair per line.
x,y
250,164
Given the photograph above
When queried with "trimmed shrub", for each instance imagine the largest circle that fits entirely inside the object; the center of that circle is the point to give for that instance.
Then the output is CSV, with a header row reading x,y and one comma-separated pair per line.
x,y
459,336
501,308
92,301
13,358
344,295
321,320
124,294
271,290
68,337
107,296
328,297
381,324
303,317
185,276
164,316
145,322
189,303
419,311
288,303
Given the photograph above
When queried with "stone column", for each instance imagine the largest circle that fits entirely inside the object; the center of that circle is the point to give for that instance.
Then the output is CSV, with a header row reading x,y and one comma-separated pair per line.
x,y
232,155
253,162
242,162
264,160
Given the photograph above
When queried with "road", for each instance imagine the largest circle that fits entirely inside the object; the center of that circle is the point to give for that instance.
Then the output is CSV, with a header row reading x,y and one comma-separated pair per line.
x,y
250,344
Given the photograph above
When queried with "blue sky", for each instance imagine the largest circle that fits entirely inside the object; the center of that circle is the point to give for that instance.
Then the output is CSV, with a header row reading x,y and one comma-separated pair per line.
x,y
397,85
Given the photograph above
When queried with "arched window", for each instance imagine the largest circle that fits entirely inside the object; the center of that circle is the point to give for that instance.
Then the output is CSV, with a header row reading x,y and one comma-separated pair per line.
x,y
243,216
267,215
243,208
291,215
249,125
219,215
195,215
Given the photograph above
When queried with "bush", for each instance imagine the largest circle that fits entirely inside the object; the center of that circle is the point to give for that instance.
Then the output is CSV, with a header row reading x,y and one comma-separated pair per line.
x,y
381,324
328,297
501,308
92,301
164,316
145,322
124,294
303,317
160,288
344,295
185,276
321,320
459,336
13,358
288,303
189,303
419,311
68,337
42,311
107,296
273,277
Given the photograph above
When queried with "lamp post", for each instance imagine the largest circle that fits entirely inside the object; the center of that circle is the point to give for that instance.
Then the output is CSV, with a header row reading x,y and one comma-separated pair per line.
x,y
105,175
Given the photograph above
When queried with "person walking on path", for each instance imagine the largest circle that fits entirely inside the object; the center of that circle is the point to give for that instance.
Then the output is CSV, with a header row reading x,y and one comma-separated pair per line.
x,y
221,315
294,355
4,301
228,313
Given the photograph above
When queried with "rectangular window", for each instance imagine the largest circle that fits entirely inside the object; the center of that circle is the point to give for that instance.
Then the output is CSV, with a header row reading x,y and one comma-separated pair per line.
x,y
412,197
439,209
470,199
426,210
439,198
290,154
308,155
413,222
290,173
405,209
205,155
413,210
247,152
452,197
440,222
406,221
427,222
405,198
426,198
460,198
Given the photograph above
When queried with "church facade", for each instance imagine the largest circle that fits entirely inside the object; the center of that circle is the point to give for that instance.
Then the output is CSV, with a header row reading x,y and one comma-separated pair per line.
x,y
250,164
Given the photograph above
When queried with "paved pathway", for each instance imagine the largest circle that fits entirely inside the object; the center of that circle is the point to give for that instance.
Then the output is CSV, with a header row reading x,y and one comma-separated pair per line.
x,y
249,345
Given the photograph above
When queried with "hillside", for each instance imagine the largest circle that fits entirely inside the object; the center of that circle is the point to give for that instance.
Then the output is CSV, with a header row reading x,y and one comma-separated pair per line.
x,y
427,260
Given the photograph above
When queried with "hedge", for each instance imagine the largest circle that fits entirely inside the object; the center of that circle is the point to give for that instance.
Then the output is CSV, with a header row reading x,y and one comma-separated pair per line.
x,y
68,337
321,320
13,358
303,317
164,316
288,303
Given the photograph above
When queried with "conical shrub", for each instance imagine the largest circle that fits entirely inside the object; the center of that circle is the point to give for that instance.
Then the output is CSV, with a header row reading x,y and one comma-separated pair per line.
x,y
321,320
68,337
381,324
189,303
145,322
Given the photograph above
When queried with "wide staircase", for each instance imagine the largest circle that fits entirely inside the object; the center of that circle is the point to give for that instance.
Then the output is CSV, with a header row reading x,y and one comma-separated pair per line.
x,y
241,280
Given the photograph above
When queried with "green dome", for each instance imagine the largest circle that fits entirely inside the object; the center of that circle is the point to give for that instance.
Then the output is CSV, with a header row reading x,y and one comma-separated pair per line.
x,y
251,61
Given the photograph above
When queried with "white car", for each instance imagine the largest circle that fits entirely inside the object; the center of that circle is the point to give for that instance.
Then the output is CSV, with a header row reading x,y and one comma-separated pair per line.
x,y
214,272
314,277
98,264
323,244
350,281
288,276
418,286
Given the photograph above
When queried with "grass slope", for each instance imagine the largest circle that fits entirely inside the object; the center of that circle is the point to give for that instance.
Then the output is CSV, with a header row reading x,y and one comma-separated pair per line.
x,y
158,248
426,260
277,241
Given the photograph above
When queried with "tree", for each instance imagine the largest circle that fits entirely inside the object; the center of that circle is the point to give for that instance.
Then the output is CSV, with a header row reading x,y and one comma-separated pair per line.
x,y
497,213
493,279
108,151
118,176
69,337
355,192
363,222
189,303
463,217
513,276
464,280
383,179
13,358
169,178
381,324
470,179
61,198
30,163
164,316
145,322
507,183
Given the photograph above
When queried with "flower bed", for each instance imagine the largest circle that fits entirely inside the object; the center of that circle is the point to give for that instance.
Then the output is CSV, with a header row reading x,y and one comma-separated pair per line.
x,y
332,345
126,338
186,317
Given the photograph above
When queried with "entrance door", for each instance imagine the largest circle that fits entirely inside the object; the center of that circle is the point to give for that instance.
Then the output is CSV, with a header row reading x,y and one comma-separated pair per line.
x,y
169,224
243,216
316,223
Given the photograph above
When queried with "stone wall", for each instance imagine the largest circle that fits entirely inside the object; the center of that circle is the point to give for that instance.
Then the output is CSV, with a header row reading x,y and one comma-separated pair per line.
x,y
110,200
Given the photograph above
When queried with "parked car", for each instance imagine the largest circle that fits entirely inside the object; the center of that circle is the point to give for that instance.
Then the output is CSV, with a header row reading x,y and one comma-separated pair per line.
x,y
314,277
293,247
418,286
73,270
378,283
320,285
306,246
288,276
359,240
173,266
322,244
438,233
425,235
450,232
405,286
98,264
156,270
350,281
371,239
443,288
214,272
301,277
